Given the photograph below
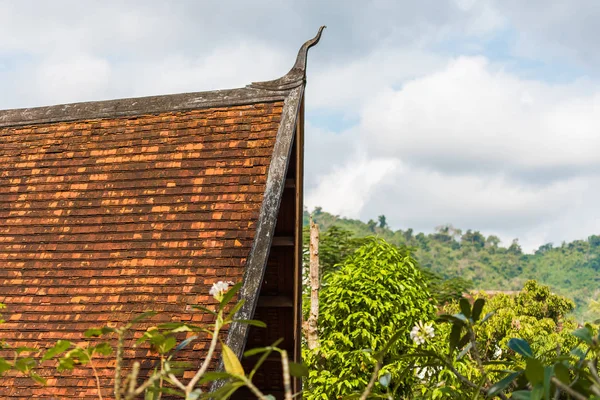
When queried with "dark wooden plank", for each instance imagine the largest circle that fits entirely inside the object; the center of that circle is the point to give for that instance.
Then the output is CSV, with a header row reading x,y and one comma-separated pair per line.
x,y
275,302
280,241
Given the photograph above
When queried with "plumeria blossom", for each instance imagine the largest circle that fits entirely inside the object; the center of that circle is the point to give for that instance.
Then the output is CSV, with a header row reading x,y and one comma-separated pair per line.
x,y
497,352
422,373
420,332
219,289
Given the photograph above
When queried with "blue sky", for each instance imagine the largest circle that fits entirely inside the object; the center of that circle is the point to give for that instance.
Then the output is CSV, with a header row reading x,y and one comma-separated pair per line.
x,y
480,113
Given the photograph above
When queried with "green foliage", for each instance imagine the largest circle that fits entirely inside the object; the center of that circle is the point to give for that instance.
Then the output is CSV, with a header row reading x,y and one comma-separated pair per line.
x,y
559,375
534,314
375,293
570,269
479,340
446,290
21,360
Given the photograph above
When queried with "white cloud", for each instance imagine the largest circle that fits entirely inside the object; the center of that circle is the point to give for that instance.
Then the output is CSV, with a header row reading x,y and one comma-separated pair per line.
x,y
555,31
475,146
226,67
347,86
76,78
473,115
345,190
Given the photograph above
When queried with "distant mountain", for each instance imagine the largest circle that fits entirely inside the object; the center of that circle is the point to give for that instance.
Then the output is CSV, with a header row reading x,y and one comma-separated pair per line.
x,y
571,269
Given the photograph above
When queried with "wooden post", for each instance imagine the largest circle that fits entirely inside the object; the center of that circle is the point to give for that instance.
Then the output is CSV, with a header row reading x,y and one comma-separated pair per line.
x,y
312,334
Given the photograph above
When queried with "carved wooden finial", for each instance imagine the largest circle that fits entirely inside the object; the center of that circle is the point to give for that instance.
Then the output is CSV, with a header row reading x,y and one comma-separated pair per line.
x,y
297,74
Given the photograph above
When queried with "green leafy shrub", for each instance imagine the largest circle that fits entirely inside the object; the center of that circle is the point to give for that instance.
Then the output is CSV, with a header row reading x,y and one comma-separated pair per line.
x,y
375,293
476,348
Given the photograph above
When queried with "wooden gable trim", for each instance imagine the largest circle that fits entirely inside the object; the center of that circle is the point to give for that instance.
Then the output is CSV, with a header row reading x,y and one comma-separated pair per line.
x,y
137,106
257,261
276,182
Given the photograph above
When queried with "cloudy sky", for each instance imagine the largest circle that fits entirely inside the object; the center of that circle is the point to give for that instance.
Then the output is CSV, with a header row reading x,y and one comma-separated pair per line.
x,y
480,113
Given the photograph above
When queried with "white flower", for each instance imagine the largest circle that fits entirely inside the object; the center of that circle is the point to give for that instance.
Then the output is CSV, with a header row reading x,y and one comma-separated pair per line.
x,y
421,373
420,332
424,372
219,289
497,352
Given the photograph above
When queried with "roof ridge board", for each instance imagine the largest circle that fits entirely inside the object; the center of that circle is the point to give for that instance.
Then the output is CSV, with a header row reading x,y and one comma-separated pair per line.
x,y
137,106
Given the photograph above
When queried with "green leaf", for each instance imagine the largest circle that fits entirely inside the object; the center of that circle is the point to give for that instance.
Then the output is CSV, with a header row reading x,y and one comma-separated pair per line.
x,y
78,355
455,319
213,376
202,308
94,332
537,392
487,316
577,352
170,325
252,322
167,345
225,392
25,349
463,341
502,384
65,364
464,351
102,348
562,373
4,366
232,363
298,370
235,309
143,316
584,334
380,354
60,347
37,378
258,350
548,372
521,395
534,371
454,337
477,309
151,393
465,307
521,347
266,352
230,293
25,364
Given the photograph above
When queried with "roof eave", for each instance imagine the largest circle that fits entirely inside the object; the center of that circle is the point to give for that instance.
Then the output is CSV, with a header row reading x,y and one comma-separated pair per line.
x,y
137,106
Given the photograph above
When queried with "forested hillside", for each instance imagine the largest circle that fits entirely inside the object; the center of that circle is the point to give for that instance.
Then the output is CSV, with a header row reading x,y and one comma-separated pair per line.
x,y
570,269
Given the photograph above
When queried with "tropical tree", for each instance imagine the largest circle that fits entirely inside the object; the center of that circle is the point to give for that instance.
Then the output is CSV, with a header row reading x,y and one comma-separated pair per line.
x,y
376,293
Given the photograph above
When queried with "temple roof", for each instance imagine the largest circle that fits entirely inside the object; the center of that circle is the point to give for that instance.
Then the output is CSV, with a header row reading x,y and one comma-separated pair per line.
x,y
111,208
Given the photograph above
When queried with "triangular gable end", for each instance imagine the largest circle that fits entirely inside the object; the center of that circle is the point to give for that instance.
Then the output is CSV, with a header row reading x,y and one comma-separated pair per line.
x,y
111,208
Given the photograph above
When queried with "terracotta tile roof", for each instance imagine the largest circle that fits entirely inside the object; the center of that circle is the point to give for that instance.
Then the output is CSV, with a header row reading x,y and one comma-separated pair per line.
x,y
111,208
102,219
